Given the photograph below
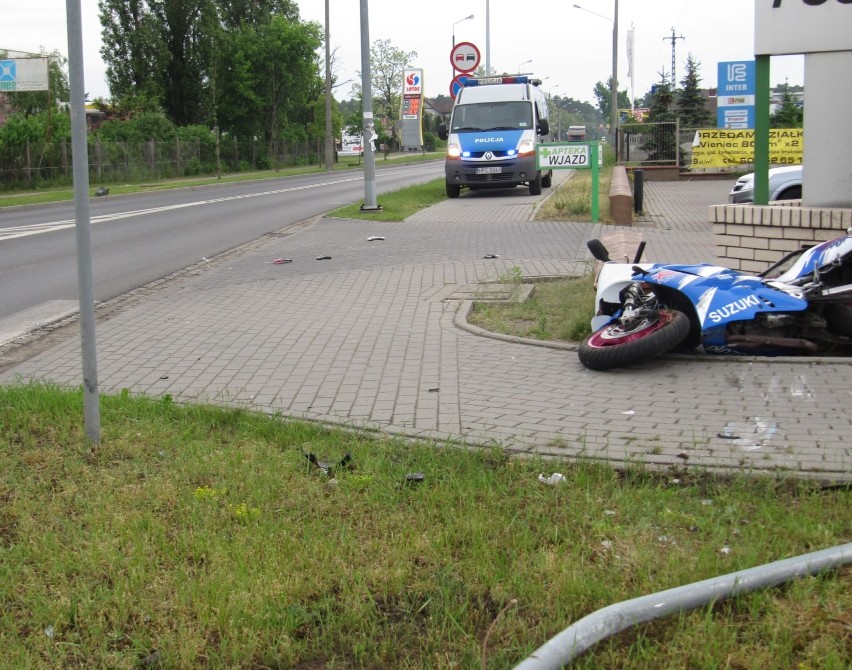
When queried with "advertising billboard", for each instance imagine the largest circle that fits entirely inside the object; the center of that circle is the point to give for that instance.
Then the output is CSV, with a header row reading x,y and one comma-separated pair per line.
x,y
735,94
23,74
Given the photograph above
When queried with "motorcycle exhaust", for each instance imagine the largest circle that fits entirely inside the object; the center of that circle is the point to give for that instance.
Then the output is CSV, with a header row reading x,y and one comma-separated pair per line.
x,y
758,342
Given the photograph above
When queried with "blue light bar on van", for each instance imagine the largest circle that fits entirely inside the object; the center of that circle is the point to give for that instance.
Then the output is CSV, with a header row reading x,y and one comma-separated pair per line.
x,y
487,81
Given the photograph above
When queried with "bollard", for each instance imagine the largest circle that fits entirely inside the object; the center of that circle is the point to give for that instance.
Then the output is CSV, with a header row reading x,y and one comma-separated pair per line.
x,y
638,190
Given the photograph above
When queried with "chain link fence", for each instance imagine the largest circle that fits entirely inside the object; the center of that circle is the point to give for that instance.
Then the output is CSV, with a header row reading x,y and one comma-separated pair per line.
x,y
50,163
662,144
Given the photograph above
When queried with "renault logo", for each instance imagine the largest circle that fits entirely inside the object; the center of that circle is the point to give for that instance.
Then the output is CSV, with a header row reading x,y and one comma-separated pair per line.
x,y
488,155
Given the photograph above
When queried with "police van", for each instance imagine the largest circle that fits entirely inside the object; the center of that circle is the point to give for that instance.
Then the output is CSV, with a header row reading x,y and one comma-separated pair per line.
x,y
493,132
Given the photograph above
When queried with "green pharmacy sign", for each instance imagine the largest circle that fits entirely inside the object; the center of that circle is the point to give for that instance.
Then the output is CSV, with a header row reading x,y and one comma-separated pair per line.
x,y
572,156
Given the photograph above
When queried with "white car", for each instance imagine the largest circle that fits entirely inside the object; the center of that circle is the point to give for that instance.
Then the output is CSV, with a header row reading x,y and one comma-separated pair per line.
x,y
785,183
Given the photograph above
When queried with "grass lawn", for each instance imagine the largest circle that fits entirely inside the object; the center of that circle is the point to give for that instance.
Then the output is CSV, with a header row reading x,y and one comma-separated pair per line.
x,y
558,310
204,537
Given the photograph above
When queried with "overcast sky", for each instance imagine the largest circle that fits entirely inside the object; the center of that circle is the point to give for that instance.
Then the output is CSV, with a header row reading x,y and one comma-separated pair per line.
x,y
570,48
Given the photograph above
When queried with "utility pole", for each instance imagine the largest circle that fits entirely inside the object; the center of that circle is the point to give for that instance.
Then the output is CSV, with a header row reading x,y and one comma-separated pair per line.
x,y
674,39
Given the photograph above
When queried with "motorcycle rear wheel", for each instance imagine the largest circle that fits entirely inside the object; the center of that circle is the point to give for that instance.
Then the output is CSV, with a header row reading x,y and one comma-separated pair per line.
x,y
615,346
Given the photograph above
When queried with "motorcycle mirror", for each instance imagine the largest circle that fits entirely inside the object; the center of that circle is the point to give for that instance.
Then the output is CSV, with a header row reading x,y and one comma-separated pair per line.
x,y
598,250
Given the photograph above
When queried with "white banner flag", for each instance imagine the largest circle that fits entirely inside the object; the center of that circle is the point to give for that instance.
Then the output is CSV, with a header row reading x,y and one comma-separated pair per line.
x,y
630,53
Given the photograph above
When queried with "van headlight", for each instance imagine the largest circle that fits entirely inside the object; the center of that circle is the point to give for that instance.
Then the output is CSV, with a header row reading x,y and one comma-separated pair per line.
x,y
526,148
453,151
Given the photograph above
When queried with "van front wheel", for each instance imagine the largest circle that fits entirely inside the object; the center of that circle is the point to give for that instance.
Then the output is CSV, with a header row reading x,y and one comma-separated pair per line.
x,y
453,190
535,185
547,180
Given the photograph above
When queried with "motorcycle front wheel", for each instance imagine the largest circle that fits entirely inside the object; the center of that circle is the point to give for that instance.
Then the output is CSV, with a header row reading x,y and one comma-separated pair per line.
x,y
617,345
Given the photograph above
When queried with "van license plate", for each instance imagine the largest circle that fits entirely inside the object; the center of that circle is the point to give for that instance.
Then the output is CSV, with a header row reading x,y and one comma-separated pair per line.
x,y
489,170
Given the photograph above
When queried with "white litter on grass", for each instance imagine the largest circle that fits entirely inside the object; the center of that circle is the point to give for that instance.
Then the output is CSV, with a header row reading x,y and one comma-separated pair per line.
x,y
551,480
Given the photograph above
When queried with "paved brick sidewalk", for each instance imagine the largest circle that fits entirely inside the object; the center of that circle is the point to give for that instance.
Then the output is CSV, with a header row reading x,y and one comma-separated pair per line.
x,y
369,338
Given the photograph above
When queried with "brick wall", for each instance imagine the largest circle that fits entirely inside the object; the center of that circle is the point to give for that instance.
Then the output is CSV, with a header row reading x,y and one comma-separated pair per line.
x,y
752,237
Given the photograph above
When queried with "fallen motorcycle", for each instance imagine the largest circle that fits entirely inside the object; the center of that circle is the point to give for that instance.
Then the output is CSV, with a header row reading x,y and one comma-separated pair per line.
x,y
800,305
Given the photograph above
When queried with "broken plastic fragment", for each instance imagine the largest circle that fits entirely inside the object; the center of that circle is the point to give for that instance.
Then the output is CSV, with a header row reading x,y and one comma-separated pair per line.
x,y
374,238
323,258
491,256
415,477
281,261
328,468
551,480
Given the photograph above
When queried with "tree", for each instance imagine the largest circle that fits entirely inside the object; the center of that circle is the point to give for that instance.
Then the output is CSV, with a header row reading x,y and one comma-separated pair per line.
x,y
133,50
255,12
570,112
660,143
246,66
790,114
690,99
316,128
271,73
603,94
387,64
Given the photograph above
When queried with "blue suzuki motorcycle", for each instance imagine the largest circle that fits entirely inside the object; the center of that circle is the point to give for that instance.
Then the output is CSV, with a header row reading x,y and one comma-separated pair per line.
x,y
800,305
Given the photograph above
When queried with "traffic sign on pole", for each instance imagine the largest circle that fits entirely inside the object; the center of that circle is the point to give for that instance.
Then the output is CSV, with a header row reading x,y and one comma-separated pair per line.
x,y
465,57
456,85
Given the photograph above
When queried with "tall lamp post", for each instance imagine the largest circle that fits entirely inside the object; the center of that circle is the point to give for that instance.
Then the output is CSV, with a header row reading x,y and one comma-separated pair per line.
x,y
522,64
613,88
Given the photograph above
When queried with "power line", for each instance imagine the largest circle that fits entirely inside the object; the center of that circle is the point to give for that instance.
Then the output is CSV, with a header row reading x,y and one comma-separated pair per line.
x,y
674,39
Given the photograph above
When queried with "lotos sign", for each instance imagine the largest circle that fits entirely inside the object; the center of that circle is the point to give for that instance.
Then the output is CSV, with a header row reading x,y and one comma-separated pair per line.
x,y
802,26
412,82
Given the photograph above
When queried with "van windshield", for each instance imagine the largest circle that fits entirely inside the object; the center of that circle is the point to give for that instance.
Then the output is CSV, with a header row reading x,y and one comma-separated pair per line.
x,y
514,115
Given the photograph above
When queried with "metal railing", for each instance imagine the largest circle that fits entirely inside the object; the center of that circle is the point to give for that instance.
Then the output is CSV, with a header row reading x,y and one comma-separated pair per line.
x,y
657,144
43,164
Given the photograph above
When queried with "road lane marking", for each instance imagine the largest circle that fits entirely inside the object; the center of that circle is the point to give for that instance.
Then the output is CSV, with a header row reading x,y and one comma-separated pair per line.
x,y
15,232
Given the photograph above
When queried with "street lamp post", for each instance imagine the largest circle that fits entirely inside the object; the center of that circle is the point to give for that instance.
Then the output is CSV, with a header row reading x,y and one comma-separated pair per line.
x,y
613,88
524,63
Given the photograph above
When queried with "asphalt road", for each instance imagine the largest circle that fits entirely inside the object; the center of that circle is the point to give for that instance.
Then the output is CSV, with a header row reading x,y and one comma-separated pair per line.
x,y
138,239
